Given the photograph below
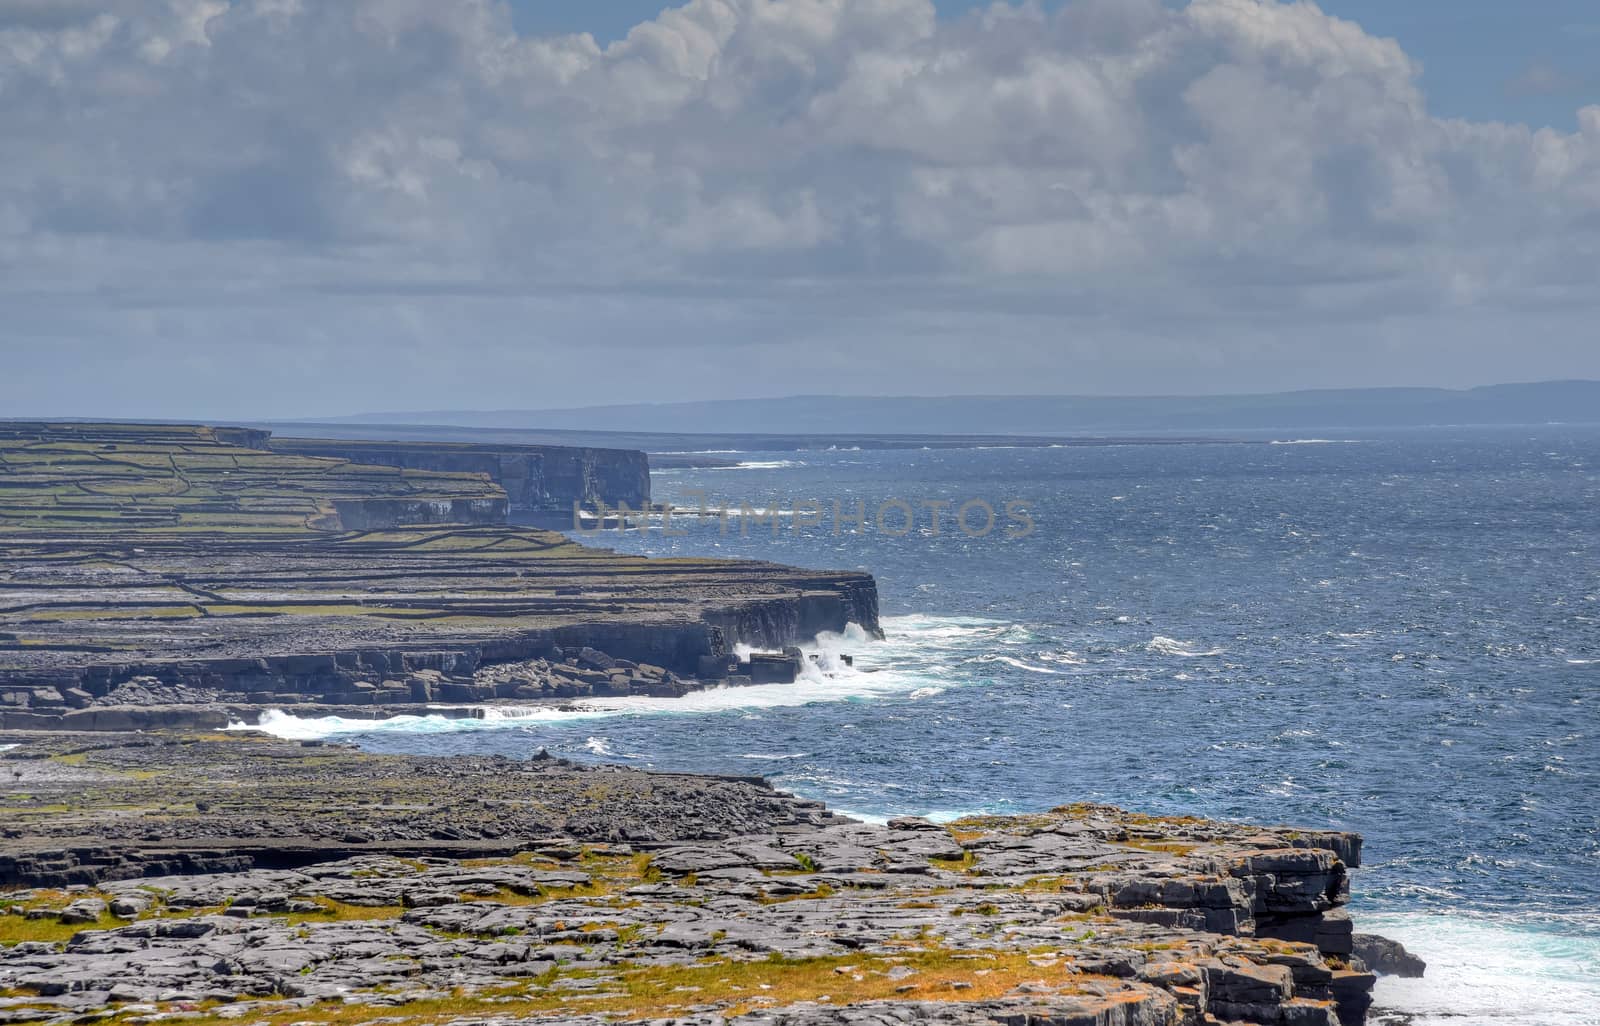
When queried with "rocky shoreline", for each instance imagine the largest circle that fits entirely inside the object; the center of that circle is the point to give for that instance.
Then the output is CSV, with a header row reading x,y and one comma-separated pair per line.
x,y
199,878
465,687
159,583
144,567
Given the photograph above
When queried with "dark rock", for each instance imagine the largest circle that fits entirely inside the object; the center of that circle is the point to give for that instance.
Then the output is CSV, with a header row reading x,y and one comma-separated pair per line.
x,y
774,668
1386,957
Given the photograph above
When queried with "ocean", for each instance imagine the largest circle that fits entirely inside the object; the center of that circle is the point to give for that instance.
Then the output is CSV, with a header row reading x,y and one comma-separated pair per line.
x,y
1396,634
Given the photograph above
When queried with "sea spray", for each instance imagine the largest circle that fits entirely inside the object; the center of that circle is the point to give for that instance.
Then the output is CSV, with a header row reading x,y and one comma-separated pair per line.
x,y
1487,971
879,673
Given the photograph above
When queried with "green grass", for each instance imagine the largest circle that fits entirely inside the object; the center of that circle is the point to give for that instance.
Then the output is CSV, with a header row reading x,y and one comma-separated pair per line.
x,y
965,864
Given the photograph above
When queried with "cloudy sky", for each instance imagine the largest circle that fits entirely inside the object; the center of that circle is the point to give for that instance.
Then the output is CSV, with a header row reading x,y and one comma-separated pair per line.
x,y
315,207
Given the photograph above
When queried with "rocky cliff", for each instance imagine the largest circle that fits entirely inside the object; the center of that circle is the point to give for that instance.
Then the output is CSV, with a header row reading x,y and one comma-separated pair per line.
x,y
537,478
279,884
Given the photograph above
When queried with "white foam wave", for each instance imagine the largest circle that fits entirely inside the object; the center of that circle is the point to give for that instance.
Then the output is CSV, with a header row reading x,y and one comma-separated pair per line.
x,y
877,674
599,746
1486,972
7,748
1160,645
760,465
933,635
315,728
1018,664
875,818
1316,441
934,816
1064,658
952,815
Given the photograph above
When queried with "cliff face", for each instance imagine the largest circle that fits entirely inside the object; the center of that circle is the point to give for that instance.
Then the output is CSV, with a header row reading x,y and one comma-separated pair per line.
x,y
837,602
537,478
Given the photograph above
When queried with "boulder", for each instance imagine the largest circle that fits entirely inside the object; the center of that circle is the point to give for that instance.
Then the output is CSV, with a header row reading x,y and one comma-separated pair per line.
x,y
1386,957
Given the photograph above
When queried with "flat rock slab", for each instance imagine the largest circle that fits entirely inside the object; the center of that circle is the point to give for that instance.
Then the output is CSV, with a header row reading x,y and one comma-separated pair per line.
x,y
788,914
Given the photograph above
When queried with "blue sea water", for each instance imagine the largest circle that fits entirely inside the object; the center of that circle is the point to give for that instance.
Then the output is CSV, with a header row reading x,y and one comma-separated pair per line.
x,y
1398,635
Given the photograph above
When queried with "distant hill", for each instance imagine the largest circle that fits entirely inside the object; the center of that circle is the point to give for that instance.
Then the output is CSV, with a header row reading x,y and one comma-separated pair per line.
x,y
1540,403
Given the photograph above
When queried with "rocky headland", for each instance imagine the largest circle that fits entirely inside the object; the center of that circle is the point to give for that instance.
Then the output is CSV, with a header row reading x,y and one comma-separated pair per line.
x,y
181,576
197,878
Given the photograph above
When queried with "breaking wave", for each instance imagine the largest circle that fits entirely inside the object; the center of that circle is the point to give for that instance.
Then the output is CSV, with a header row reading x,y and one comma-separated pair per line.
x,y
1160,645
760,465
1315,441
1019,664
1488,972
896,668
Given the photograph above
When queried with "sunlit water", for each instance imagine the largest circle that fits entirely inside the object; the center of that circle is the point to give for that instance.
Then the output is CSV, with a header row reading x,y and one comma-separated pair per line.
x,y
1395,635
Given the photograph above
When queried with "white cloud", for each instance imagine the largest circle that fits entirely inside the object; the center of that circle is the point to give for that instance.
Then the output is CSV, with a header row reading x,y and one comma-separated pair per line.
x,y
1234,176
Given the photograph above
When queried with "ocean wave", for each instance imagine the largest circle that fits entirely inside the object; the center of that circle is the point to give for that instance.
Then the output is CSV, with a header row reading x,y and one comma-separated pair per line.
x,y
1018,664
879,673
761,465
1492,971
7,748
921,634
1066,657
1160,645
599,745
932,816
735,512
1316,441
315,728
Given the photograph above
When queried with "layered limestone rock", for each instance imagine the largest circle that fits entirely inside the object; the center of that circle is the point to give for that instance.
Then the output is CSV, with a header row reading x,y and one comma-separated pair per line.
x,y
539,891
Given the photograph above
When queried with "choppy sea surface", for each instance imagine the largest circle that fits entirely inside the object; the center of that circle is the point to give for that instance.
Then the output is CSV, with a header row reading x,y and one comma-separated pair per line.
x,y
1398,635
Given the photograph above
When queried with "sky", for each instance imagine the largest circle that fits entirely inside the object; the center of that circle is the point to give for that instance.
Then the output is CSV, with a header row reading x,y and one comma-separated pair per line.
x,y
1532,61
242,209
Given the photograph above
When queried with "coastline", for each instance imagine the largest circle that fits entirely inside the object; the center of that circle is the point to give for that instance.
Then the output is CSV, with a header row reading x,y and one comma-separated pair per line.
x,y
246,877
155,846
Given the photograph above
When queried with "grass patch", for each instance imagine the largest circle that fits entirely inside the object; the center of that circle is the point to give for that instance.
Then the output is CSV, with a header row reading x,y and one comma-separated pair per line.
x,y
736,987
341,912
819,892
17,929
1164,847
965,864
